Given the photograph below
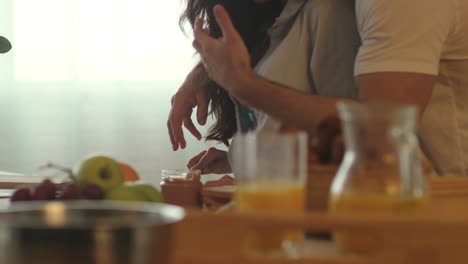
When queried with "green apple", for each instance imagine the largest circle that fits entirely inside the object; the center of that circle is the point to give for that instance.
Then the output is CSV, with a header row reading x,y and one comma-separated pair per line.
x,y
126,193
100,170
152,194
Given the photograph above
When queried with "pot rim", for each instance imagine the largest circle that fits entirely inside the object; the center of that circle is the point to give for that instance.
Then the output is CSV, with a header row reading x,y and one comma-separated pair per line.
x,y
59,214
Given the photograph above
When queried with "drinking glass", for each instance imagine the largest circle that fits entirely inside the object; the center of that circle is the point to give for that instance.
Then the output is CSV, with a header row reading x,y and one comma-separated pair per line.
x,y
270,169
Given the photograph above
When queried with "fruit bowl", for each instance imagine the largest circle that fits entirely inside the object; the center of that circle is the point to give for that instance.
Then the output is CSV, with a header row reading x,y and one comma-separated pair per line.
x,y
87,232
95,177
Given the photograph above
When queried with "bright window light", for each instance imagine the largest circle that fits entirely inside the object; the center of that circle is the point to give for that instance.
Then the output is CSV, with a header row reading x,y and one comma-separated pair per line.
x,y
99,40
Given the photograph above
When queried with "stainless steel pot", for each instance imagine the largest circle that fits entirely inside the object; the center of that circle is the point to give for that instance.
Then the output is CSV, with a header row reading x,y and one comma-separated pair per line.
x,y
5,45
87,233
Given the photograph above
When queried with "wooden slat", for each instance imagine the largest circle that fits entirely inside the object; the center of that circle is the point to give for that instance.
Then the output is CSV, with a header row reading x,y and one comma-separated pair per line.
x,y
444,189
433,238
440,236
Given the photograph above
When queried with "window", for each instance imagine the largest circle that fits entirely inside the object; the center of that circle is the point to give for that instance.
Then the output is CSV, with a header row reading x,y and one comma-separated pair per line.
x,y
90,76
97,40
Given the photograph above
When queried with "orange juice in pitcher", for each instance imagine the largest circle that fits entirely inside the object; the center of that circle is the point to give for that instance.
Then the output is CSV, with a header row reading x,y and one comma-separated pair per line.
x,y
365,241
380,172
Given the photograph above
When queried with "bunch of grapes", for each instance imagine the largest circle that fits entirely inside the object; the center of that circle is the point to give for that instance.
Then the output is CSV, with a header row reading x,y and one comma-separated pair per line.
x,y
47,191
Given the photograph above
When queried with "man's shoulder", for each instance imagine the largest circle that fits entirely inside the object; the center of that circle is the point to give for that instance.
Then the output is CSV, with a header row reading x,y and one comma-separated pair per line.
x,y
327,6
416,7
329,10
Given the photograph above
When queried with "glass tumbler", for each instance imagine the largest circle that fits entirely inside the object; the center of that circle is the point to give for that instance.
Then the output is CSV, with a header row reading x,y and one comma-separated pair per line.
x,y
270,169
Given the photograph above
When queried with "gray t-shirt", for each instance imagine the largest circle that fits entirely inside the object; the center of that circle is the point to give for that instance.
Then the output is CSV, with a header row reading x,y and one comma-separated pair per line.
x,y
313,47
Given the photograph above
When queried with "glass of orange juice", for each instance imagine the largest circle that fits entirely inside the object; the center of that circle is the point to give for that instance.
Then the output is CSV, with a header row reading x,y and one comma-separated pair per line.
x,y
270,169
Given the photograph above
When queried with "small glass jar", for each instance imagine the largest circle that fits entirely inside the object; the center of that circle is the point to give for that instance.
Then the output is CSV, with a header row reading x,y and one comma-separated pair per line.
x,y
182,188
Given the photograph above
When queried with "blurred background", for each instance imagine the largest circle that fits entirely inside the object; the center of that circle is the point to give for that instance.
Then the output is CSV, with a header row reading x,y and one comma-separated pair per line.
x,y
87,76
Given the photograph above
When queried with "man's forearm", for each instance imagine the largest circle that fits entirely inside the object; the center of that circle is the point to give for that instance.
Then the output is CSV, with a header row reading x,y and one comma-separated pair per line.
x,y
285,104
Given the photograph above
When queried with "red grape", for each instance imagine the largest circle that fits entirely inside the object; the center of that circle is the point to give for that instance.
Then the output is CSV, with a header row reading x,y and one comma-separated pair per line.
x,y
92,192
44,191
70,191
21,194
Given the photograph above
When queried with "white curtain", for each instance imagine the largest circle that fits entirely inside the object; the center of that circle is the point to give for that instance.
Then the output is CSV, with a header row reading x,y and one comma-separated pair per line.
x,y
91,76
96,40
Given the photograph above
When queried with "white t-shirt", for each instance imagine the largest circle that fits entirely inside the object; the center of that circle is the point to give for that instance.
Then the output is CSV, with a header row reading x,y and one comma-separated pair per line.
x,y
430,37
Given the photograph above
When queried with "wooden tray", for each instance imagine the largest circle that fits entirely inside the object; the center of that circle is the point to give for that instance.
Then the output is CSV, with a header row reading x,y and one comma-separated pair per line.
x,y
220,191
419,239
445,191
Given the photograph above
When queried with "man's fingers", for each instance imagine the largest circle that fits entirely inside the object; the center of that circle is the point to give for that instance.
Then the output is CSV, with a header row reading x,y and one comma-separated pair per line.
x,y
224,22
193,161
197,46
202,36
191,128
202,108
198,24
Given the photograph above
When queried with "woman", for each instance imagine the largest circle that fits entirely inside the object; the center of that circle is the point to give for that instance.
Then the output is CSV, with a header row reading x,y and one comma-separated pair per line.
x,y
309,49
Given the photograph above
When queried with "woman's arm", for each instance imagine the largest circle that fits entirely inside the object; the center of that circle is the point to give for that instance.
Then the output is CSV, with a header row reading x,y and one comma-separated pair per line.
x,y
191,94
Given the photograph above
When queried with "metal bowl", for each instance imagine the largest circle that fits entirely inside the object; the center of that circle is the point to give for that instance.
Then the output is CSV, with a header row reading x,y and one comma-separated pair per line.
x,y
87,232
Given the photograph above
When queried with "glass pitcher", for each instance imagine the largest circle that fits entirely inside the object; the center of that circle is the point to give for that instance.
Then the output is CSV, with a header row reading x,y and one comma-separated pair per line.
x,y
381,170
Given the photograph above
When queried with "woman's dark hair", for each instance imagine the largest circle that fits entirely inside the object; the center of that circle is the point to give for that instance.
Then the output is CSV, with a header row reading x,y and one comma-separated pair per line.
x,y
251,21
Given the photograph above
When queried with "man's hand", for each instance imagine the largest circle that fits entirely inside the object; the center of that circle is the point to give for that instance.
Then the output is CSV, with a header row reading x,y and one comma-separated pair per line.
x,y
226,59
211,161
187,97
